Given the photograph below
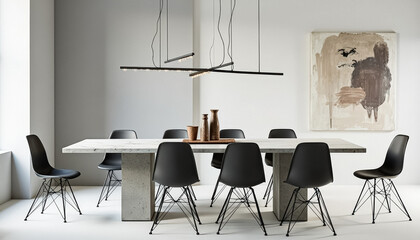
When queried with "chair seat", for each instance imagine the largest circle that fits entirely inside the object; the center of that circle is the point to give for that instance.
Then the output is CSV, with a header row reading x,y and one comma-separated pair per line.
x,y
216,165
60,173
109,167
371,174
268,162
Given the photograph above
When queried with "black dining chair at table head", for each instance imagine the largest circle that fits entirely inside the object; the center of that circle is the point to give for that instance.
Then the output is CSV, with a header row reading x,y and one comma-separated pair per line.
x,y
310,168
378,181
111,163
55,181
175,167
217,158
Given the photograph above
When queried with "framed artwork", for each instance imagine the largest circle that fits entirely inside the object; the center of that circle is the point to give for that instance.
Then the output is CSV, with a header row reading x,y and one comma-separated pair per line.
x,y
353,78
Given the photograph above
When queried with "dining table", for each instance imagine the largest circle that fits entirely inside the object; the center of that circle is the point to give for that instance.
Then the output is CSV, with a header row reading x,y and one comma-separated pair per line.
x,y
138,155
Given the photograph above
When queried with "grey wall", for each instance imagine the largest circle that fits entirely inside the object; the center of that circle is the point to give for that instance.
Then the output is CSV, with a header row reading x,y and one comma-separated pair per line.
x,y
26,85
93,96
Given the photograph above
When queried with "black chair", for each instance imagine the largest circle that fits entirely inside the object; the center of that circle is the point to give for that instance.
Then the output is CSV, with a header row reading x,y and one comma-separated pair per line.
x,y
310,168
381,177
168,134
55,181
111,163
216,161
241,168
275,133
175,133
175,168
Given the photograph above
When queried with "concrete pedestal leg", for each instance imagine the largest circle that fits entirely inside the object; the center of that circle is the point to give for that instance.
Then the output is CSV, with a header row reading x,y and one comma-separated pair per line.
x,y
137,188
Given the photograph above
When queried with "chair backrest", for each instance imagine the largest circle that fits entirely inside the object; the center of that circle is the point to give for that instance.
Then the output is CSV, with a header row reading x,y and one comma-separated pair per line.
x,y
226,133
40,162
175,133
232,133
282,133
242,165
310,166
394,159
175,165
115,158
278,133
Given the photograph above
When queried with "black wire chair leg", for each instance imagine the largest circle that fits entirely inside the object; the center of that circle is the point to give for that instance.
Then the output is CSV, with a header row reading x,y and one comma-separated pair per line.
x,y
359,198
63,197
318,193
400,200
386,196
223,210
293,210
101,196
46,195
326,212
73,197
213,197
374,200
269,188
194,213
37,196
225,205
192,192
259,212
287,208
158,212
111,173
193,204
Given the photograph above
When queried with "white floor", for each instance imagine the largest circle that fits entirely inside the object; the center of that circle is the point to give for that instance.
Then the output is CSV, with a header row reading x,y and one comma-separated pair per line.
x,y
104,222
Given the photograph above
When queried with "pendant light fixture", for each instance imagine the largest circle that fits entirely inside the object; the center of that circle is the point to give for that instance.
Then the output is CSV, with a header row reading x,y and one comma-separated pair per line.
x,y
196,72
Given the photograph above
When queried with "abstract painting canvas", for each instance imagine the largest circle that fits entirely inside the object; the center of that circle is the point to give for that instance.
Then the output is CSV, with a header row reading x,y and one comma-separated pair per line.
x,y
353,78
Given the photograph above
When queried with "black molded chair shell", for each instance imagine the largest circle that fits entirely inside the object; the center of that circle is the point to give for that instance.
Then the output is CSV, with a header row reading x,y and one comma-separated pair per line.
x,y
175,165
278,133
216,161
40,162
175,133
393,164
112,161
242,165
310,166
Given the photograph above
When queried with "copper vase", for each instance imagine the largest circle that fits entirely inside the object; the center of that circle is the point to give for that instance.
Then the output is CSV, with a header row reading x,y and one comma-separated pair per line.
x,y
204,131
214,125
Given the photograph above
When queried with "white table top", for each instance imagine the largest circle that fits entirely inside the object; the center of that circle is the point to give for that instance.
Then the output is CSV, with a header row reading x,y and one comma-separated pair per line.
x,y
285,145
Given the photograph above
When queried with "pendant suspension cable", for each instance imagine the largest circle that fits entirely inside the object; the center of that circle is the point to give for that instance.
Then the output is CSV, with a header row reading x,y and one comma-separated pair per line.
x,y
211,52
259,37
156,32
230,31
167,30
160,33
220,33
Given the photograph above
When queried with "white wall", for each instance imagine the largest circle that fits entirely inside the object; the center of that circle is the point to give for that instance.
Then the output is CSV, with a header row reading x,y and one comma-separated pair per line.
x,y
26,85
42,78
93,96
14,90
5,176
259,103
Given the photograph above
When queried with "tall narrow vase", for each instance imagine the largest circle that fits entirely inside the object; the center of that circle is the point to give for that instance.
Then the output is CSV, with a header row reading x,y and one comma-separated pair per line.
x,y
204,131
214,125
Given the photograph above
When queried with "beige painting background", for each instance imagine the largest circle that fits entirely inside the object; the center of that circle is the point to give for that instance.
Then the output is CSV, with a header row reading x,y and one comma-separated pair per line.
x,y
331,73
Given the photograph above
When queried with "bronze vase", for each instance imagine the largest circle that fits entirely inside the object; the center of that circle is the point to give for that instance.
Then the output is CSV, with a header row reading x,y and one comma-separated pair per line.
x,y
204,131
214,125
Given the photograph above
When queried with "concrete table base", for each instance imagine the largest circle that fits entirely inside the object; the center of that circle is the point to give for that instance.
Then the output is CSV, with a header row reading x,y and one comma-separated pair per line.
x,y
137,188
281,165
